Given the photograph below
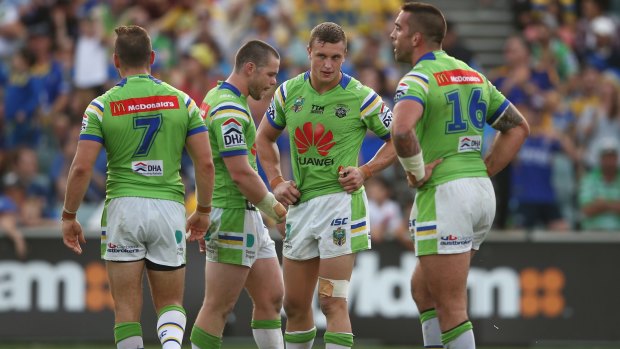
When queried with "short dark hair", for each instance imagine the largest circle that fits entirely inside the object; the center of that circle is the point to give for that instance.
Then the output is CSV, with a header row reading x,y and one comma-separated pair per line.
x,y
133,46
426,19
255,51
329,32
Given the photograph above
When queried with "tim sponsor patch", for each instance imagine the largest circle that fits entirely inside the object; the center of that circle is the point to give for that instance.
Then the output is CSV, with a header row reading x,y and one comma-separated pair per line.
x,y
232,132
149,168
457,77
470,143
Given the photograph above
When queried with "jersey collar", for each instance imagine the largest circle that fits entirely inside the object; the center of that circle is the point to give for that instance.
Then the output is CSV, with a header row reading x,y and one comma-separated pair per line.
x,y
137,76
344,80
429,56
231,87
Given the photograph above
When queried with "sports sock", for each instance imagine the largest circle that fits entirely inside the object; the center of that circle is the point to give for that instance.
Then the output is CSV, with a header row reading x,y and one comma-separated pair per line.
x,y
338,340
300,339
171,326
203,340
460,337
430,329
128,335
268,334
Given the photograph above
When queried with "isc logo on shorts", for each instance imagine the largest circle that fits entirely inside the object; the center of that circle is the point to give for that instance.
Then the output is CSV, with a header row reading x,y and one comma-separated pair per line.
x,y
149,168
470,143
232,133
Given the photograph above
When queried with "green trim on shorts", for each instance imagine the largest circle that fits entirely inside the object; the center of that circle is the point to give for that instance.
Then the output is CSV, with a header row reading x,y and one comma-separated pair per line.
x,y
300,336
171,307
104,223
359,243
204,340
266,324
232,220
427,212
124,330
428,315
450,335
358,209
229,255
339,338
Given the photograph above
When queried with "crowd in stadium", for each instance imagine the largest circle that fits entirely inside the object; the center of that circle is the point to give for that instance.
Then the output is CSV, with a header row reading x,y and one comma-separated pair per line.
x,y
561,69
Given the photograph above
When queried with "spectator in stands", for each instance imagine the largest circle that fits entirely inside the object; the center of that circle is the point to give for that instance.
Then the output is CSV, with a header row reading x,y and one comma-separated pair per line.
x,y
605,54
21,100
600,190
8,225
386,219
532,188
455,46
91,59
585,38
550,53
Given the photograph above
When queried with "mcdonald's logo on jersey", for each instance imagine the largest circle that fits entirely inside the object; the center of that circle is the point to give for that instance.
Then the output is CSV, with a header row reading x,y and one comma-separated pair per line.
x,y
458,77
143,104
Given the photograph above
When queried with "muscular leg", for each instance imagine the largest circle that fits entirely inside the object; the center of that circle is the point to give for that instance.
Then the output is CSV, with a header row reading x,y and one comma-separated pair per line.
x,y
126,288
422,297
449,291
300,278
338,333
265,286
167,291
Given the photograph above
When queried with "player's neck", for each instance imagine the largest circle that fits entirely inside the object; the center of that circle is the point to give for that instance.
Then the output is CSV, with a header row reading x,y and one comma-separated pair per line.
x,y
125,72
324,87
421,51
239,83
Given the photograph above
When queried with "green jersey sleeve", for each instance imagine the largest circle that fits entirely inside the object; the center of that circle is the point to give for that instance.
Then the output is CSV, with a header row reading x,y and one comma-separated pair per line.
x,y
375,114
275,113
196,121
91,122
413,86
497,104
230,123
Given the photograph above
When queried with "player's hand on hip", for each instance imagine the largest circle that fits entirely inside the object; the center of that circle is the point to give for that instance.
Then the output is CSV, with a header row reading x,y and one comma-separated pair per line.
x,y
72,235
287,193
350,178
428,172
197,225
272,208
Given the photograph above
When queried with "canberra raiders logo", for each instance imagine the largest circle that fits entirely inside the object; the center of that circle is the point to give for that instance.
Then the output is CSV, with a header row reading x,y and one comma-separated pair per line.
x,y
299,104
339,236
341,110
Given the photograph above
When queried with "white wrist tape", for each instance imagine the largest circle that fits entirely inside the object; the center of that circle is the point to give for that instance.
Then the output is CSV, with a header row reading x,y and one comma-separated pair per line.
x,y
414,165
272,207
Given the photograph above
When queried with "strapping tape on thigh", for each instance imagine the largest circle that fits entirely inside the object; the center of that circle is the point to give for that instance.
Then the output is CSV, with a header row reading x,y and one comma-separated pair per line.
x,y
333,288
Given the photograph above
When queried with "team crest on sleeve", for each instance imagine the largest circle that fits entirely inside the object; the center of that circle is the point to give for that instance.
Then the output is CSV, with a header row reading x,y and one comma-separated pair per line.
x,y
341,110
385,115
400,91
271,111
204,110
299,104
84,122
232,132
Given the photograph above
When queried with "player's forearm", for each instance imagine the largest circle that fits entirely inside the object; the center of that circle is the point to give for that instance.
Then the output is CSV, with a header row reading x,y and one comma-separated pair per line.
x,y
77,184
385,156
504,149
406,143
269,156
205,175
250,185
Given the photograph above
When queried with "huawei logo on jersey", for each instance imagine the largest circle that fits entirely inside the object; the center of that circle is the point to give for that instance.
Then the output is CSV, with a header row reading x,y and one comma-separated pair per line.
x,y
308,136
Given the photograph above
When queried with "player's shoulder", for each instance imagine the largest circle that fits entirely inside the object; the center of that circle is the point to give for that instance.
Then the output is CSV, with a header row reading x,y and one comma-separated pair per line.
x,y
225,100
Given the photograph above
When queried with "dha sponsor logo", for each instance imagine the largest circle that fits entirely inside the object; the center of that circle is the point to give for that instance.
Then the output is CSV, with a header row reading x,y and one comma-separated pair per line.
x,y
457,77
470,143
149,168
233,134
46,287
144,104
113,248
502,292
452,240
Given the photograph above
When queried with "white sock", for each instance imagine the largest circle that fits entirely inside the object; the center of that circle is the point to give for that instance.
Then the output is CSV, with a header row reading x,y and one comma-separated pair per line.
x,y
335,346
170,327
268,338
431,333
464,341
306,345
134,342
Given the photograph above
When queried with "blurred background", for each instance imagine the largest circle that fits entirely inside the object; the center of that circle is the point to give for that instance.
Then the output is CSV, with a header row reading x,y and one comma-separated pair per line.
x,y
547,274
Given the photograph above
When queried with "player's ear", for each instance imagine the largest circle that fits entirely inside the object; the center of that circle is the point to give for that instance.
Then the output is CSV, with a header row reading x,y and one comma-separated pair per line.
x,y
152,59
250,67
116,60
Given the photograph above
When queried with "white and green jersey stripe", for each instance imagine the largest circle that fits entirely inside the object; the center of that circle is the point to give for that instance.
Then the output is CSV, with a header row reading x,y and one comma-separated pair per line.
x,y
326,130
143,122
231,132
457,102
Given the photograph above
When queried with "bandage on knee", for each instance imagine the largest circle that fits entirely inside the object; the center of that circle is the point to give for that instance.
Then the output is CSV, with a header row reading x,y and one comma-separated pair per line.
x,y
333,288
